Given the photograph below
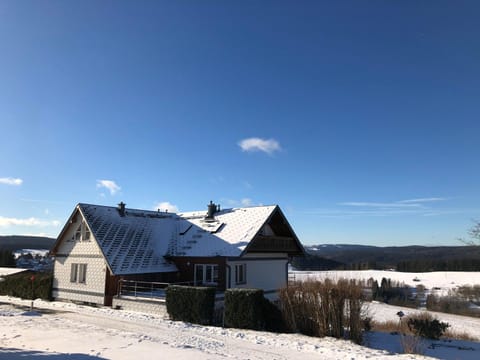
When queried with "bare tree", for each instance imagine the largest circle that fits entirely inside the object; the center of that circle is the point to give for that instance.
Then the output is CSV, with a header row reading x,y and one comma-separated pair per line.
x,y
474,234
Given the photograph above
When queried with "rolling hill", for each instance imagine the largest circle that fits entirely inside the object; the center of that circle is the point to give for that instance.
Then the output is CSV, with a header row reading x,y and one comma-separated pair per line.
x,y
15,242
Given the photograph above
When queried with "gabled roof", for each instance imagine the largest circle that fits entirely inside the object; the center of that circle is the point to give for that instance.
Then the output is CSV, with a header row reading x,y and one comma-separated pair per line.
x,y
141,241
228,234
132,244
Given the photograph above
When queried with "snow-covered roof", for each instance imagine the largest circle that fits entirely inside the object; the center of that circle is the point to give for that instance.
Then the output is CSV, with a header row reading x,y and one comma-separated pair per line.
x,y
227,234
141,241
132,244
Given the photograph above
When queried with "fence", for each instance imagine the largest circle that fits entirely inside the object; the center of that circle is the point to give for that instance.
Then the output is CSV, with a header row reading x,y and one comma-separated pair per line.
x,y
144,289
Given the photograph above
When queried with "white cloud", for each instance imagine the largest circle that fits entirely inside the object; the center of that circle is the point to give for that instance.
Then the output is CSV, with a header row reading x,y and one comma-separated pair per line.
x,y
381,205
110,185
421,200
6,221
409,203
241,203
246,202
165,205
11,181
257,144
418,206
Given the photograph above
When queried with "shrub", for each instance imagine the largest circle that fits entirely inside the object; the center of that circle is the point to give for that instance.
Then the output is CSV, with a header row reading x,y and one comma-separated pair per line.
x,y
244,309
426,326
324,308
191,304
20,285
273,317
452,304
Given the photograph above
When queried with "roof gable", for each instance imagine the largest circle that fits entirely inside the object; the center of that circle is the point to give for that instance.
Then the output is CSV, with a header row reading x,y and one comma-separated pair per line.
x,y
227,234
276,236
139,241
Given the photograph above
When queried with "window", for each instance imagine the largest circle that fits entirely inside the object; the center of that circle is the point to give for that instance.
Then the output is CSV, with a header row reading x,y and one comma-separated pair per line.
x,y
82,273
240,274
82,233
206,274
78,273
73,272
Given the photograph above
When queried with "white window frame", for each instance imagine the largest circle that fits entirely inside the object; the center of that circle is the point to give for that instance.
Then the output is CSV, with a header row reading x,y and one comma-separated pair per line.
x,y
82,273
78,273
240,274
73,273
206,269
82,233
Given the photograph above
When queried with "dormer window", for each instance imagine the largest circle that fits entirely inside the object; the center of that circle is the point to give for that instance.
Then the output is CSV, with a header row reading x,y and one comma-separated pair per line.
x,y
82,233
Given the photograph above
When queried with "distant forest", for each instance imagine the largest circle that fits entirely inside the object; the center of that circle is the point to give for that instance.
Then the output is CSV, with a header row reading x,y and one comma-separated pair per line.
x,y
16,242
406,259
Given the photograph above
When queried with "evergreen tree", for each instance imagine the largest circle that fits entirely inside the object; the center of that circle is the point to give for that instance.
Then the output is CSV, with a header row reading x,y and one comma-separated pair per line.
x,y
7,259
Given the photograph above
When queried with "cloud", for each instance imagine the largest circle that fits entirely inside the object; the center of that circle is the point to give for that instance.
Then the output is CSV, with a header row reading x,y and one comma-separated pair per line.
x,y
381,205
11,181
246,202
241,203
409,203
257,144
421,200
418,207
165,205
110,185
6,221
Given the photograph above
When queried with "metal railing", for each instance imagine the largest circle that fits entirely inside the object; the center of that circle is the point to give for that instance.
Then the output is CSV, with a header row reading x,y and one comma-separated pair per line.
x,y
144,289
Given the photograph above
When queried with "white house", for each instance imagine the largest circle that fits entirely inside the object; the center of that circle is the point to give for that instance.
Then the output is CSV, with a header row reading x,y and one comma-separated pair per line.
x,y
229,248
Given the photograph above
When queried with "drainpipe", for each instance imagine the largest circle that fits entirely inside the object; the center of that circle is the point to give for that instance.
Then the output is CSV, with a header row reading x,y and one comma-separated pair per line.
x,y
228,276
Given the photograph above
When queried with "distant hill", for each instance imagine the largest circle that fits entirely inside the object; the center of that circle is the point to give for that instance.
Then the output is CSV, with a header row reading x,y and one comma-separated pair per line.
x,y
15,242
385,257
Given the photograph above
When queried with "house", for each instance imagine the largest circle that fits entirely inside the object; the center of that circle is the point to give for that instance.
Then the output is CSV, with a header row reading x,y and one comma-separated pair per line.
x,y
227,248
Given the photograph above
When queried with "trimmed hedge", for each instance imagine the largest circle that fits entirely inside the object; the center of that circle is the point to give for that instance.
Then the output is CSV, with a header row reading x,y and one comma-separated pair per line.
x,y
191,304
244,309
20,285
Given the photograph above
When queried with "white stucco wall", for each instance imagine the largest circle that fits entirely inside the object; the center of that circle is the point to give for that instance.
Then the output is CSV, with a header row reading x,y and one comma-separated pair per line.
x,y
267,273
79,252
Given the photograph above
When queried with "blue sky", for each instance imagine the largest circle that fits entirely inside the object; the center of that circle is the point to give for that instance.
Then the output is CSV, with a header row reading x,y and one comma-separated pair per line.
x,y
359,118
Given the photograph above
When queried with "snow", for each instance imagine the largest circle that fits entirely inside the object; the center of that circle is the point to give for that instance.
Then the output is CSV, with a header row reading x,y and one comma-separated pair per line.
x,y
227,235
5,271
137,242
33,252
68,331
439,282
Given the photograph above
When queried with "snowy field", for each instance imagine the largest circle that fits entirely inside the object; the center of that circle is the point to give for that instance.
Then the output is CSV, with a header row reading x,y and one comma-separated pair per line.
x,y
440,281
60,330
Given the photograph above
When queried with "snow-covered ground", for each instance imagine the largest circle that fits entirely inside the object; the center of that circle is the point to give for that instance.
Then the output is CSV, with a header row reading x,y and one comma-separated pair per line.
x,y
68,331
9,271
440,281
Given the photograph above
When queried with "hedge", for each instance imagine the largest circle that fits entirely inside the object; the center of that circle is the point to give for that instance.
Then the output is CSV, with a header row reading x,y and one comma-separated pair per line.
x,y
191,304
20,285
244,309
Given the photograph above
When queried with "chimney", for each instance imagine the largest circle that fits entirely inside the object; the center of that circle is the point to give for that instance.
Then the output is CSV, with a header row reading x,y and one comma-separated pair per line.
x,y
211,209
121,208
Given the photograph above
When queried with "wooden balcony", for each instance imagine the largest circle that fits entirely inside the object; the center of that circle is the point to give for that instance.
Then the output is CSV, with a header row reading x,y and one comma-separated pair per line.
x,y
283,244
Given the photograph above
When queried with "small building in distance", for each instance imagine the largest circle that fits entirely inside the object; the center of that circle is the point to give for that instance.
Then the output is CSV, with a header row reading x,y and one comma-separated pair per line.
x,y
99,246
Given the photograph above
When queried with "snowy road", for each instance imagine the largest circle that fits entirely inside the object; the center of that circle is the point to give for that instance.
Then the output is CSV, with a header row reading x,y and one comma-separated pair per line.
x,y
67,331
